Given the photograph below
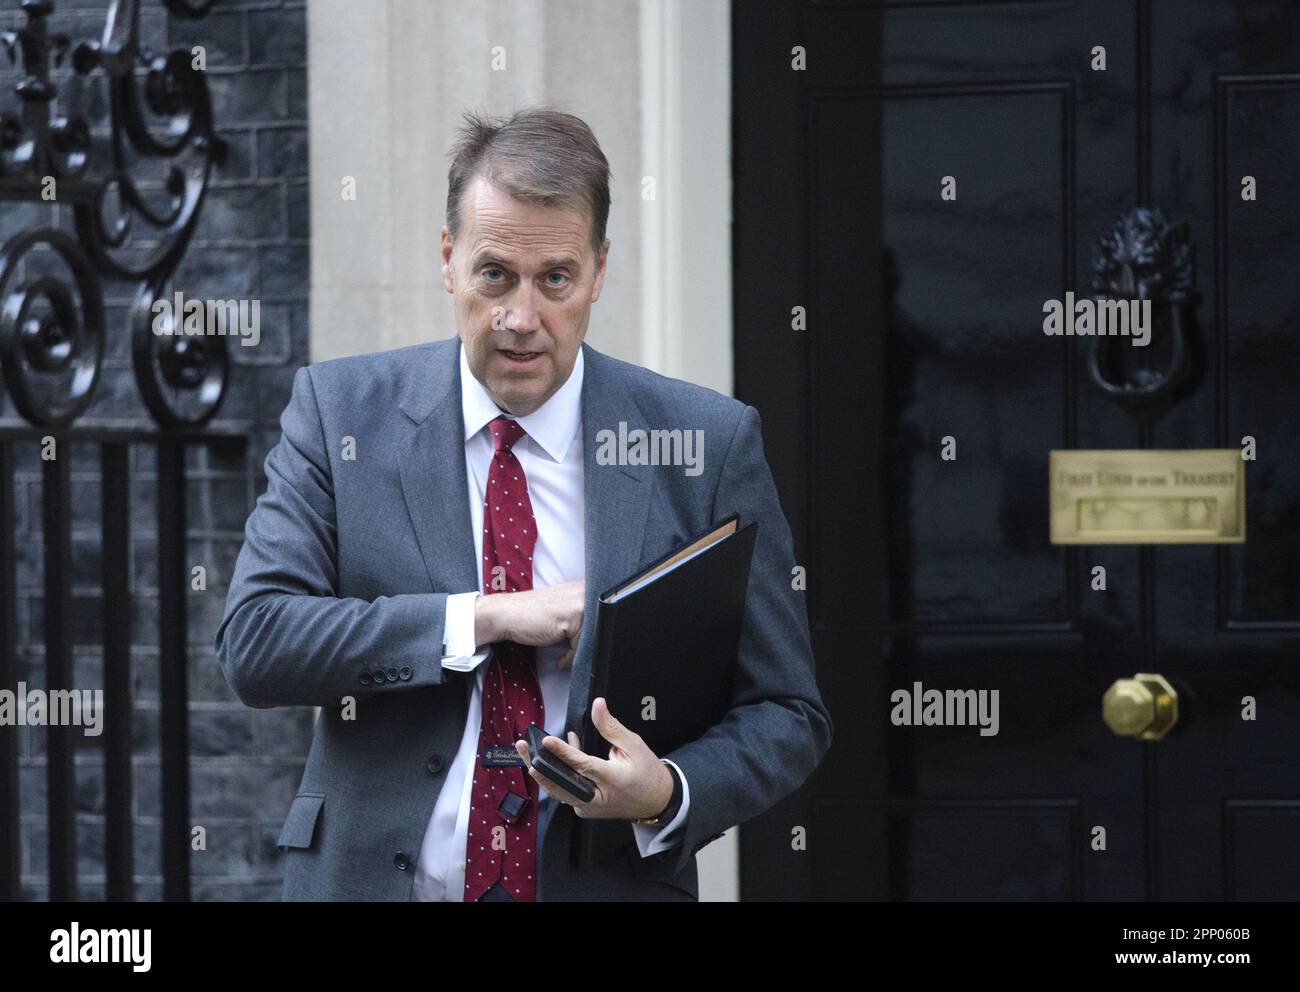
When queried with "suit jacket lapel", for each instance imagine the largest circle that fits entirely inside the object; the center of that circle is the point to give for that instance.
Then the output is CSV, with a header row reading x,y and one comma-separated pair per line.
x,y
431,463
616,505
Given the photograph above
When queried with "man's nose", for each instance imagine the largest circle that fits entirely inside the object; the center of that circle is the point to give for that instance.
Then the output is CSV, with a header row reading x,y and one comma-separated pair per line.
x,y
522,315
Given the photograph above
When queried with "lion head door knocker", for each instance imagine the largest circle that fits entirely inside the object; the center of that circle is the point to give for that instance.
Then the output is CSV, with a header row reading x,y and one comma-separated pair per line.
x,y
1144,257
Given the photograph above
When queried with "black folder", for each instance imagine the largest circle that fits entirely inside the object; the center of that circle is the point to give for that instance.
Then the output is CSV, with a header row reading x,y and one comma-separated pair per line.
x,y
671,634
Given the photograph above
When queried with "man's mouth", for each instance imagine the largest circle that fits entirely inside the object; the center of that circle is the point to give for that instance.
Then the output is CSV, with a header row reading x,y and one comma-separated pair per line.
x,y
520,357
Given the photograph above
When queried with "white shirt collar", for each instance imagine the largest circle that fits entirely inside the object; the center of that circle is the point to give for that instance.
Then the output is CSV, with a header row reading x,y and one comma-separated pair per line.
x,y
552,425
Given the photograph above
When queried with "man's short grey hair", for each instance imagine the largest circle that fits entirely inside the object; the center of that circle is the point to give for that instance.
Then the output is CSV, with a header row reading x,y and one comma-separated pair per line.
x,y
537,155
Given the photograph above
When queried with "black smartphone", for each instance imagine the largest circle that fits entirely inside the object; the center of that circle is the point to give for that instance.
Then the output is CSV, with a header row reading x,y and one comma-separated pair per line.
x,y
555,769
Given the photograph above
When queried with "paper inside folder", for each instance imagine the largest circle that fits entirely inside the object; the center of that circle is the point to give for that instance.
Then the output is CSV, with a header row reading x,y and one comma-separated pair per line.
x,y
683,556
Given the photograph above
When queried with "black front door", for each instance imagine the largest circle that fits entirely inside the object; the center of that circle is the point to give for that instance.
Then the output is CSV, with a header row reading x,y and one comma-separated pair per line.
x,y
913,181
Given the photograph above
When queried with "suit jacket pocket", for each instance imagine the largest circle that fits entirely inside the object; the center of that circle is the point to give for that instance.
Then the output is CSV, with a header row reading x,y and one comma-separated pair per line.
x,y
300,824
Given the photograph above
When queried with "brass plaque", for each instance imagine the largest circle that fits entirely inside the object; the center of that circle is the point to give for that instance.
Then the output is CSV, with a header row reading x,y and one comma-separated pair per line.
x,y
1148,497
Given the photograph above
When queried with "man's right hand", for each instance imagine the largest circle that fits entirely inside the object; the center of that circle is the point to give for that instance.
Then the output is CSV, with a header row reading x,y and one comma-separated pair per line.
x,y
539,617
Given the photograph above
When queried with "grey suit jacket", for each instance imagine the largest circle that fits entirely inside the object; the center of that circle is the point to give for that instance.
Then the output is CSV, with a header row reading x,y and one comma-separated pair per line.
x,y
340,588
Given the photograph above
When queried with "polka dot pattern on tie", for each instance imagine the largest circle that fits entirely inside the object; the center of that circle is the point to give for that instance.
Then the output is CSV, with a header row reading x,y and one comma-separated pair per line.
x,y
512,696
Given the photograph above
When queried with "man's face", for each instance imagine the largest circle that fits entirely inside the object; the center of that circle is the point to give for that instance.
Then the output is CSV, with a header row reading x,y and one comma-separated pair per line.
x,y
523,278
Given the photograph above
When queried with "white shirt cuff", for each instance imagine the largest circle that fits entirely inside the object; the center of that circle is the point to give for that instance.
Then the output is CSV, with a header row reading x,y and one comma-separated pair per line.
x,y
651,840
458,634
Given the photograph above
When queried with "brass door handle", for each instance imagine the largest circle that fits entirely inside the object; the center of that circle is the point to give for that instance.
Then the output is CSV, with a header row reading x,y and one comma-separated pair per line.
x,y
1145,707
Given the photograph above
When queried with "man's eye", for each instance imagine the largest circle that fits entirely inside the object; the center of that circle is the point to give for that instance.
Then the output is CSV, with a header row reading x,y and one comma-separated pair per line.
x,y
557,279
490,274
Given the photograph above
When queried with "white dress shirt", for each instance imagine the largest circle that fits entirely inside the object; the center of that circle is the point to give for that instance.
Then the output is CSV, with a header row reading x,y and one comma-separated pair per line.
x,y
551,457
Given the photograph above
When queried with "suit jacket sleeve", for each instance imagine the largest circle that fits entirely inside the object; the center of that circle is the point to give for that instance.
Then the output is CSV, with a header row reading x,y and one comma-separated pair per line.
x,y
778,729
287,637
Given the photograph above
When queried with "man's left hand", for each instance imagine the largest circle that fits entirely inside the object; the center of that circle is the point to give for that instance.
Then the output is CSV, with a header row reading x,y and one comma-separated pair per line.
x,y
631,784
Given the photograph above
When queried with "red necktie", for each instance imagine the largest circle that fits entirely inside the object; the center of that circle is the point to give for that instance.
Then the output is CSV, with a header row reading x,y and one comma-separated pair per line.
x,y
501,846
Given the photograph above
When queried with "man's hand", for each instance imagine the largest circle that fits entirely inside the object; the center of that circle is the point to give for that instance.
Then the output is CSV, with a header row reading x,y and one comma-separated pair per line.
x,y
633,783
539,617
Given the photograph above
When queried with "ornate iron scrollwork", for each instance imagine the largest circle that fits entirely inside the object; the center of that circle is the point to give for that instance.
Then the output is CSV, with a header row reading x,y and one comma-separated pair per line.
x,y
59,339
174,363
51,346
1146,257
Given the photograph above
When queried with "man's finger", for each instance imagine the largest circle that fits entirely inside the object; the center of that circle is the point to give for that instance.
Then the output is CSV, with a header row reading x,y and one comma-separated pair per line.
x,y
551,789
572,653
579,761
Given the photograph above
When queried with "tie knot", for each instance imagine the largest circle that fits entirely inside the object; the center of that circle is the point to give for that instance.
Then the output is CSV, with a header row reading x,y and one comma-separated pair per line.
x,y
505,432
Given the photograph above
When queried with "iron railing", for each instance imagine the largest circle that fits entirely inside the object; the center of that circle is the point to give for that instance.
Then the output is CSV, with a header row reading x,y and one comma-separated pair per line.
x,y
52,343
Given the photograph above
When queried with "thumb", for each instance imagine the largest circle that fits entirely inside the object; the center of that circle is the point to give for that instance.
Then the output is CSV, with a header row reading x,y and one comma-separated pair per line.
x,y
608,726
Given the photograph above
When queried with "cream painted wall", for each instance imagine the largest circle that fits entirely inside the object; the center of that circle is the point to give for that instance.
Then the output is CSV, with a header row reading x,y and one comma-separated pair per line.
x,y
388,80
651,78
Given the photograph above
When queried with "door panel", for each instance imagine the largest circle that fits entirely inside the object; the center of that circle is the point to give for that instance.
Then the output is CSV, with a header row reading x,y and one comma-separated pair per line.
x,y
1226,104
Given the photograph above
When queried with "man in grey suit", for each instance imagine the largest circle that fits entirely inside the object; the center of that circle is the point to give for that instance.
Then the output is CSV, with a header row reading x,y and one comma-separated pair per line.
x,y
364,587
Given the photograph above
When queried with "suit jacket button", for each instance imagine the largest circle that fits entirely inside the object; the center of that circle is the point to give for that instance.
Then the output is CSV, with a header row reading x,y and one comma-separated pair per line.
x,y
401,861
405,674
434,764
379,676
392,674
365,678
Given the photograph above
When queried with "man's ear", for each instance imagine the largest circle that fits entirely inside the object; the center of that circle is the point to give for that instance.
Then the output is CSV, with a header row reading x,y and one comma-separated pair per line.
x,y
447,274
600,271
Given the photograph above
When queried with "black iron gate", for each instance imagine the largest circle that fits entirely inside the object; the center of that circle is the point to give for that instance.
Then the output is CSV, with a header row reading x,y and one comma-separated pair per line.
x,y
52,343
